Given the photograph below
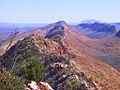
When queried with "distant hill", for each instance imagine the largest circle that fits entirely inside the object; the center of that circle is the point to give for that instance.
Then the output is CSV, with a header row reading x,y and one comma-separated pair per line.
x,y
10,27
116,24
90,21
7,30
96,29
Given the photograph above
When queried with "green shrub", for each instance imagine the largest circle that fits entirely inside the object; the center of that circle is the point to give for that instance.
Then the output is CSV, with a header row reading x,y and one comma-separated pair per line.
x,y
75,83
9,81
70,84
34,70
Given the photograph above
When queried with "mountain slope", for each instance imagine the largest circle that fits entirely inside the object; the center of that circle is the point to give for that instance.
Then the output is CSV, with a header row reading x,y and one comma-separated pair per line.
x,y
67,56
108,46
79,46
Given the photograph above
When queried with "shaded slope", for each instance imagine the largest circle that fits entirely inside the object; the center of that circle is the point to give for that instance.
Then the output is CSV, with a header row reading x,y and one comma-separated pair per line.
x,y
96,30
118,34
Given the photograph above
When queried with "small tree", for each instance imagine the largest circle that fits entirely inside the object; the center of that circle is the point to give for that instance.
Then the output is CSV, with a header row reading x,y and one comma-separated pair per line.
x,y
13,36
34,70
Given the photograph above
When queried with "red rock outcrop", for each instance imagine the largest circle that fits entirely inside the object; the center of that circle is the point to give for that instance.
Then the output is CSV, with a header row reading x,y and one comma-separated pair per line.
x,y
48,45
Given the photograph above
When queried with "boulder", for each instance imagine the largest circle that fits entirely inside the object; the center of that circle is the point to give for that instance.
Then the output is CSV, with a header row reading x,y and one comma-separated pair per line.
x,y
38,86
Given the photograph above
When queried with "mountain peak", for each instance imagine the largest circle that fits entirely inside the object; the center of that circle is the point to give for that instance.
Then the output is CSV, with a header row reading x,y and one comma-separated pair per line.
x,y
57,28
60,23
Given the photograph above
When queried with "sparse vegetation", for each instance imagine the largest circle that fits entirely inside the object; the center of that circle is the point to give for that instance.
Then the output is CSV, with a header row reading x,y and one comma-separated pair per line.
x,y
9,81
19,53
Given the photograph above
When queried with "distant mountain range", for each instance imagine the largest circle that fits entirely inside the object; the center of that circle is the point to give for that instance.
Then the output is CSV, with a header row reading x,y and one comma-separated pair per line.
x,y
117,24
90,21
96,30
10,27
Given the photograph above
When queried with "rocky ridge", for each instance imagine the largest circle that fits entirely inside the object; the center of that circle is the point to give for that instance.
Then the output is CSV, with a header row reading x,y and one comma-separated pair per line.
x,y
60,71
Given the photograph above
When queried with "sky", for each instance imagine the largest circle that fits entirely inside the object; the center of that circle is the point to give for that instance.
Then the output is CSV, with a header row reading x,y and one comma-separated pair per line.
x,y
47,11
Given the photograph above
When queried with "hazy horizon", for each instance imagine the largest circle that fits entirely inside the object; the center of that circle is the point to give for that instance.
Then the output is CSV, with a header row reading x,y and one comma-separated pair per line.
x,y
49,11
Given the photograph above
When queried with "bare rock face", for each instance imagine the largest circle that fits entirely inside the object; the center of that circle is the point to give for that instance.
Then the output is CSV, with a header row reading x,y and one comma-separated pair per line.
x,y
45,86
38,86
32,86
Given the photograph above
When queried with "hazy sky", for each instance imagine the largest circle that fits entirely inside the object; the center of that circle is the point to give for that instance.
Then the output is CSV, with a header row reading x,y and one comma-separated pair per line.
x,y
47,11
